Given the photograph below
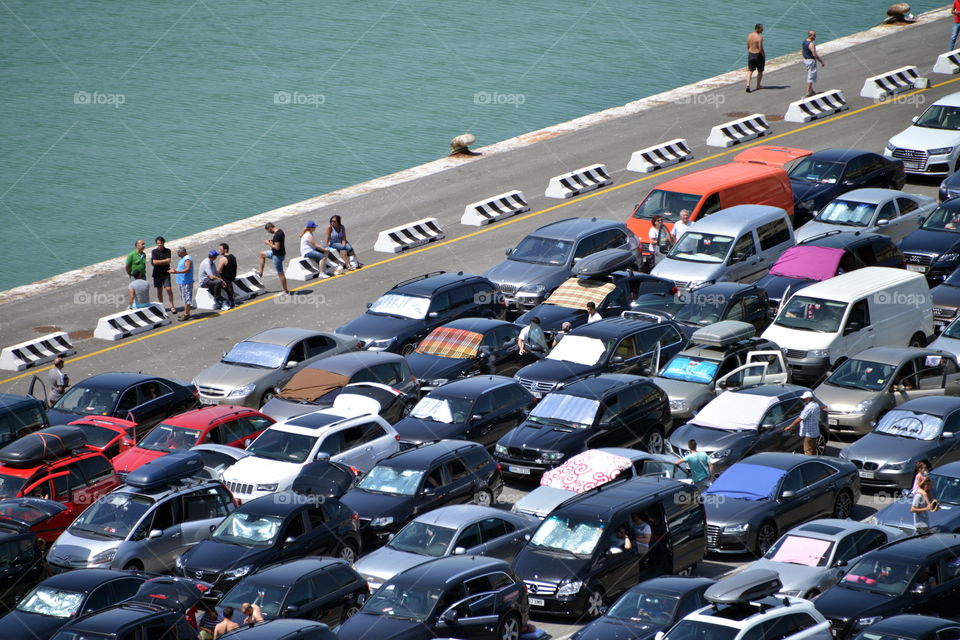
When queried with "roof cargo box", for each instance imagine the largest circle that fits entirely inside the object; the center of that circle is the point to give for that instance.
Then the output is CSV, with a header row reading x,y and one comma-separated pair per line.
x,y
50,444
748,586
723,333
166,470
605,262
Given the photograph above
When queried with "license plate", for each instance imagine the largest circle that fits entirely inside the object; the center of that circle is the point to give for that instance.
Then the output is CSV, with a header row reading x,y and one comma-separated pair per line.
x,y
868,474
521,470
207,400
916,267
833,422
536,602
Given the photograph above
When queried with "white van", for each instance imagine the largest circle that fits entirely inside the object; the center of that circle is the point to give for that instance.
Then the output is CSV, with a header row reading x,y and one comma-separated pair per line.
x,y
833,320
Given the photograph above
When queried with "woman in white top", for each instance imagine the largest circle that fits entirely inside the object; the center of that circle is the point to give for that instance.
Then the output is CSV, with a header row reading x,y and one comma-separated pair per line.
x,y
310,249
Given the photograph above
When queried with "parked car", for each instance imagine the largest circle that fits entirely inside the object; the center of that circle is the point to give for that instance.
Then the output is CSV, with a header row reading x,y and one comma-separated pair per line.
x,y
757,498
468,597
946,489
463,529
610,410
911,575
545,258
612,345
813,557
934,248
575,564
326,590
592,468
859,391
946,300
648,608
52,603
911,627
143,399
481,409
109,436
411,309
922,428
418,480
465,347
21,559
949,188
282,629
20,415
884,211
710,304
45,518
147,523
931,145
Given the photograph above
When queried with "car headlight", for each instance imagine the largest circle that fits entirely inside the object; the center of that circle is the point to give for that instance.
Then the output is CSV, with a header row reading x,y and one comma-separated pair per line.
x,y
678,405
571,588
437,382
551,455
863,406
890,147
179,562
242,391
104,556
866,622
239,572
737,529
502,450
872,520
270,486
896,466
382,521
948,257
379,345
940,150
536,288
722,453
818,353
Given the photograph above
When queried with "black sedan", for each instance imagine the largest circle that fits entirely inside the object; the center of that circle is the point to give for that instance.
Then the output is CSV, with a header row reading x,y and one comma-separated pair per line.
x,y
282,629
465,347
826,174
140,398
481,408
934,248
651,606
911,627
755,499
58,599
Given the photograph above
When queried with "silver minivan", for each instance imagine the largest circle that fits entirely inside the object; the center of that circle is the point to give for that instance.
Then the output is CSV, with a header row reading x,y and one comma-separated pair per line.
x,y
737,244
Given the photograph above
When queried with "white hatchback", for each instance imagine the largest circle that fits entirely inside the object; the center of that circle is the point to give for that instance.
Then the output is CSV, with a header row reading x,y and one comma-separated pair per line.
x,y
931,145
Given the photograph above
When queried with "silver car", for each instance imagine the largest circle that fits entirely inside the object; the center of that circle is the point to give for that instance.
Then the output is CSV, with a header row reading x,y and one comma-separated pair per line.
x,y
811,558
884,211
459,529
248,374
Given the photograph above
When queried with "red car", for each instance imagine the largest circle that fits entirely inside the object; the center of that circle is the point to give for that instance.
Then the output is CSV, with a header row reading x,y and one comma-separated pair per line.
x,y
217,424
109,436
46,518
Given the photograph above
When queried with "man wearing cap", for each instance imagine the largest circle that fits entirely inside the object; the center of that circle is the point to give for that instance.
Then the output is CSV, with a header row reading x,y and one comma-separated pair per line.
x,y
809,421
309,248
211,281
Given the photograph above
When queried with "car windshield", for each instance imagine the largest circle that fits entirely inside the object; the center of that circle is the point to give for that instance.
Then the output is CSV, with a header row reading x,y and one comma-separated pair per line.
x,y
940,116
847,212
812,314
248,529
907,424
400,305
946,488
880,575
566,411
580,350
861,374
268,596
166,437
697,630
644,607
47,601
88,402
408,601
274,444
812,170
666,204
944,219
689,369
537,250
114,515
952,330
423,539
257,354
391,480
701,247
10,486
802,550
98,436
577,537
441,409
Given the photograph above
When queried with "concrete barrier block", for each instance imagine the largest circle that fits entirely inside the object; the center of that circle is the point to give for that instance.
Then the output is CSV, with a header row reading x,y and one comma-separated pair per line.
x,y
409,236
494,209
738,131
573,183
822,104
884,85
948,63
35,352
131,322
660,156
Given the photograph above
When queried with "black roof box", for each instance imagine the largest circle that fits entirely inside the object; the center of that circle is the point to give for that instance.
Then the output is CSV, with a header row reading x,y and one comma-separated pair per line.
x,y
748,586
49,444
166,470
605,262
723,333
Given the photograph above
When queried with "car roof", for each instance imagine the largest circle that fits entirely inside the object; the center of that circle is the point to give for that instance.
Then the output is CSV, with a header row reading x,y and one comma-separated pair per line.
x,y
777,390
110,620
870,196
911,625
282,336
10,400
596,386
671,585
315,422
477,325
469,387
85,579
456,515
347,364
934,405
733,219
844,239
280,504
896,355
205,416
274,628
951,469
726,289
776,460
630,454
839,155
575,228
918,548
829,528
607,499
449,569
612,327
423,456
858,283
950,100
287,573
429,283
698,182
115,380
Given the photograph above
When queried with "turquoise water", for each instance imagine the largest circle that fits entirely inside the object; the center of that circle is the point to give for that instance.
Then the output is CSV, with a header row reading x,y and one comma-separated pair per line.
x,y
137,118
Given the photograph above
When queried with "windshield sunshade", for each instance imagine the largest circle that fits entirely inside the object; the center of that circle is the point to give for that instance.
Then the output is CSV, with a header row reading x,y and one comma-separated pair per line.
x,y
579,350
585,471
258,354
907,424
309,384
687,369
393,304
568,409
732,411
446,342
701,247
446,410
808,263
575,293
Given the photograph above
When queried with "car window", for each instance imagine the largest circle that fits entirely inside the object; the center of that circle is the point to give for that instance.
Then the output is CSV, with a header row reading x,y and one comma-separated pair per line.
x,y
317,345
744,248
460,296
870,540
669,335
295,528
13,422
340,576
440,303
906,205
507,335
736,312
484,404
710,205
99,598
627,348
434,479
887,212
124,588
352,437
502,397
297,352
166,515
500,580
493,528
469,537
61,488
929,372
585,247
612,408
859,314
128,400
950,569
388,373
617,297
847,548
76,477
203,505
317,518
815,472
648,338
456,470
754,304
301,594
953,633
371,431
773,234
96,468
856,168
332,444
476,459
793,481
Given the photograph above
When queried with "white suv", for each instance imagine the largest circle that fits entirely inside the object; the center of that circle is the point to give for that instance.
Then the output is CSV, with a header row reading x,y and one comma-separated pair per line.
x,y
745,608
931,145
282,450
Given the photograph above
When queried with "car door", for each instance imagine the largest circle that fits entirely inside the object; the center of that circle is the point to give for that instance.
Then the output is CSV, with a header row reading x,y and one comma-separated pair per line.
x,y
859,334
782,416
203,509
460,480
795,500
468,541
484,416
948,447
510,402
908,220
439,312
378,443
302,600
744,263
819,479
885,220
618,569
353,451
162,536
507,351
756,310
241,432
777,371
626,358
501,539
317,347
296,539
613,427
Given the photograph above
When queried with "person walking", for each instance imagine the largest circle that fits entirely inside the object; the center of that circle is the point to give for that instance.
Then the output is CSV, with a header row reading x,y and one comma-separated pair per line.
x,y
184,274
210,279
337,240
683,225
227,268
277,253
310,249
810,60
58,380
809,421
701,469
139,293
756,58
160,259
592,314
921,505
955,31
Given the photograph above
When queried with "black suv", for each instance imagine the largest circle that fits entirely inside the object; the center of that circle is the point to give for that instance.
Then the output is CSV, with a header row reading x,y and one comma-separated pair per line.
x,y
612,410
414,481
912,575
20,415
21,560
470,597
410,310
576,562
934,248
712,303
612,345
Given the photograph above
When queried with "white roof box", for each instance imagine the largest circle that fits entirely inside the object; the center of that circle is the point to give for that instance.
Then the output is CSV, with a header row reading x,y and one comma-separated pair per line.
x,y
723,334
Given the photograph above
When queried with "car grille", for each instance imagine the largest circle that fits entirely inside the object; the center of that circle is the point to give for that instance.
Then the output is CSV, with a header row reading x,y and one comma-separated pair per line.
x,y
239,488
838,627
508,289
205,576
912,158
867,466
537,387
537,588
713,536
796,353
944,312
523,454
921,259
212,392
363,522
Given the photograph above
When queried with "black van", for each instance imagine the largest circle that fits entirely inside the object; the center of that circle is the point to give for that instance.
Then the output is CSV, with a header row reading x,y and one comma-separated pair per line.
x,y
20,415
575,563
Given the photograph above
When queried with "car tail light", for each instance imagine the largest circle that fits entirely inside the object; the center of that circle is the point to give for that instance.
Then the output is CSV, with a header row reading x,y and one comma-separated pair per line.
x,y
499,467
397,437
356,471
355,516
359,344
673,291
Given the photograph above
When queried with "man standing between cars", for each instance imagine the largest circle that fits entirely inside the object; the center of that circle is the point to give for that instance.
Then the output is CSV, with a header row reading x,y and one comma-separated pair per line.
x,y
226,625
532,339
251,613
592,314
58,380
683,225
756,57
809,421
277,253
160,259
701,469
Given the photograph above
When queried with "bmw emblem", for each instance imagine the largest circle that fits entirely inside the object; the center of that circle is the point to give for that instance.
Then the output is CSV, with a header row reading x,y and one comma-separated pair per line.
x,y
199,574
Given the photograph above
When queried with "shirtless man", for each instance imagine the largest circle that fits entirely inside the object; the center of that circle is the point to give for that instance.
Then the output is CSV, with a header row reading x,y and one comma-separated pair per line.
x,y
225,625
251,613
756,57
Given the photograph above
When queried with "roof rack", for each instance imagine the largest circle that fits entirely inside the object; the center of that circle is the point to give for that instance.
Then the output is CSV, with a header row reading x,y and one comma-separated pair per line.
x,y
418,278
643,315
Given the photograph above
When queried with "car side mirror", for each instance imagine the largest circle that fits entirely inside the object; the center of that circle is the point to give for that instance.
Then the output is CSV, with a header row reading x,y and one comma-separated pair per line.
x,y
291,364
224,354
616,360
433,314
605,424
947,434
459,551
508,252
787,495
883,223
154,534
369,304
476,416
213,528
852,327
291,610
428,491
290,540
322,455
914,119
450,617
247,442
921,220
919,590
527,537
660,635
840,563
614,551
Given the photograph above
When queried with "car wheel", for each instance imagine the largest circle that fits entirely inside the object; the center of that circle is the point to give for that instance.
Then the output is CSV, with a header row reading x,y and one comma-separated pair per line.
x,y
821,444
766,536
347,552
483,497
918,340
509,628
349,611
654,442
595,605
133,565
407,349
843,506
265,398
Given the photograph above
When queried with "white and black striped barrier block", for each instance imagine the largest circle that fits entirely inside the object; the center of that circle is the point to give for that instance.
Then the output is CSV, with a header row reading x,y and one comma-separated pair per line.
x,y
891,83
36,352
573,183
131,322
494,209
659,156
248,285
739,130
302,269
816,106
409,236
948,63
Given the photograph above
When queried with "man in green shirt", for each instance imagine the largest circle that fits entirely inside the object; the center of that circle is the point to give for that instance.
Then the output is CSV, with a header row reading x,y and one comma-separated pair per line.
x,y
136,264
701,469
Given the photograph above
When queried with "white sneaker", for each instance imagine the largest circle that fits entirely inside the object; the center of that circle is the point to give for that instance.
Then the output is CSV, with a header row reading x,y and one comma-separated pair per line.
x,y
324,275
338,271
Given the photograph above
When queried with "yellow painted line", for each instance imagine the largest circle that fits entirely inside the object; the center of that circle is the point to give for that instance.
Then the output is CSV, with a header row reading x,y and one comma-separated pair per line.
x,y
593,194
